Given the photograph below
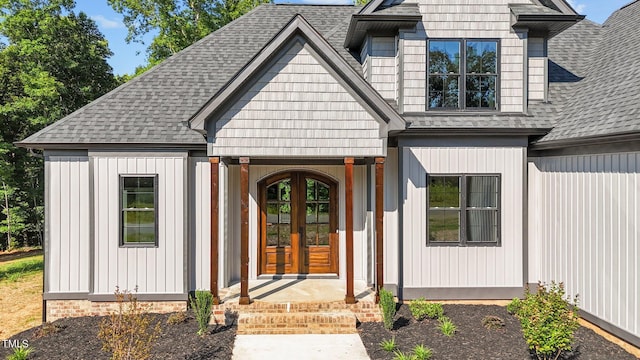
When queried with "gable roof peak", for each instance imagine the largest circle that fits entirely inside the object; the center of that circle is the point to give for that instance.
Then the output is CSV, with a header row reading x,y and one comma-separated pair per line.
x,y
297,27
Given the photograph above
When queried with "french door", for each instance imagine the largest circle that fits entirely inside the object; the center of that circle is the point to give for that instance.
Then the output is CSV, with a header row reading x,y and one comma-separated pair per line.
x,y
298,224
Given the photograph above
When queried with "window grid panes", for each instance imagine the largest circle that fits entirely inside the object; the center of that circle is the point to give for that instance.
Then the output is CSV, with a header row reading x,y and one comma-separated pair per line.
x,y
317,213
462,74
463,210
279,214
138,210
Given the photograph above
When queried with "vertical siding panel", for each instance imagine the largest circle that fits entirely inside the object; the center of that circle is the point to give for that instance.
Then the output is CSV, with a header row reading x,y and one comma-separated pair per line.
x,y
590,211
65,225
151,270
84,221
55,242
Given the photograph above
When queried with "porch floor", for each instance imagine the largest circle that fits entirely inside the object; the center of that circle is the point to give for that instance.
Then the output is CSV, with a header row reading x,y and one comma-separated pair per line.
x,y
298,290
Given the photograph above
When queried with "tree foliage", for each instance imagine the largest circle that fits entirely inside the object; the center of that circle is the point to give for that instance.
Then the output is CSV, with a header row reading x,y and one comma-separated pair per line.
x,y
52,62
177,23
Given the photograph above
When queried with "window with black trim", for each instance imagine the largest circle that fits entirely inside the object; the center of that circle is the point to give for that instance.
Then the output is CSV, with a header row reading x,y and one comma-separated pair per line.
x,y
138,205
463,210
463,74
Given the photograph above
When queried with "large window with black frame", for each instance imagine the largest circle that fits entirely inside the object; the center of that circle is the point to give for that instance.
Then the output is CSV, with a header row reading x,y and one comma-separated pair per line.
x,y
463,210
463,74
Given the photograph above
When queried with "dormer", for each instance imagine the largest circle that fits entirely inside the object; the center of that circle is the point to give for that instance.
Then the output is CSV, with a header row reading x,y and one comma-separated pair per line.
x,y
461,56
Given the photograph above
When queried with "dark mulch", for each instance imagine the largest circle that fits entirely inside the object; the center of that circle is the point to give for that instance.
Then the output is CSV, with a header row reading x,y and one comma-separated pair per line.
x,y
473,340
78,339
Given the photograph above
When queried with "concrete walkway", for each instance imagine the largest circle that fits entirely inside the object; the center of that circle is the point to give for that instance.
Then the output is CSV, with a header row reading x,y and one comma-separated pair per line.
x,y
308,347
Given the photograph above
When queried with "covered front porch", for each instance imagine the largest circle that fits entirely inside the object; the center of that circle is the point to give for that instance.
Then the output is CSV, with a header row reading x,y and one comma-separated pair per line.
x,y
339,249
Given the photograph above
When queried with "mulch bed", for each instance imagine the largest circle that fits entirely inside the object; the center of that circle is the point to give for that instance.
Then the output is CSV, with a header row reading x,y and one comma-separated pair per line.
x,y
78,339
472,340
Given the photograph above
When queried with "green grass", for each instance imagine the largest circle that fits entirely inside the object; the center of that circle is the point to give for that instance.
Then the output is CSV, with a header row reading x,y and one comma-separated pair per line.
x,y
16,269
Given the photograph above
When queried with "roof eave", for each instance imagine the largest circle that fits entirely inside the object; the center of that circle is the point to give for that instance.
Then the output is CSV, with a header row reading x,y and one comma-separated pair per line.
x,y
623,137
89,146
361,23
550,24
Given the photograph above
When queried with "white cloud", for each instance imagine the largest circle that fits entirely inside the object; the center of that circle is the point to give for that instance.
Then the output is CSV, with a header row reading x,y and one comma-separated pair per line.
x,y
577,6
105,23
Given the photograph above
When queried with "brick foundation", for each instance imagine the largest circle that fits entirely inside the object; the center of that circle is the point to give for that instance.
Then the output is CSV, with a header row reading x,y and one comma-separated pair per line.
x,y
58,309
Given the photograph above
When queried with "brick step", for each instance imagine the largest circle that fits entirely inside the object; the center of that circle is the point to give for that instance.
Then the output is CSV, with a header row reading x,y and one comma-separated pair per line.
x,y
292,307
323,322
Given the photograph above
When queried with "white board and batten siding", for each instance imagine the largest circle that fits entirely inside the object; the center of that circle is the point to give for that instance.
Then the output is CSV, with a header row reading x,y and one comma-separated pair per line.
x,y
68,223
297,108
584,230
460,19
153,270
390,250
427,267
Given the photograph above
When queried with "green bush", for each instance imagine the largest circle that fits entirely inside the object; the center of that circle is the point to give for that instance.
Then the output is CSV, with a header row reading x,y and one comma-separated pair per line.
x,y
388,345
548,320
388,305
20,353
421,309
421,352
201,305
447,327
514,306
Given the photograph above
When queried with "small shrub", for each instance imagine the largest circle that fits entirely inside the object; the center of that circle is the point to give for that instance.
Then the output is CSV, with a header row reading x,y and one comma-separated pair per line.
x,y
127,333
201,305
421,309
20,353
447,327
177,318
388,305
388,345
514,306
548,320
47,329
421,352
492,322
399,355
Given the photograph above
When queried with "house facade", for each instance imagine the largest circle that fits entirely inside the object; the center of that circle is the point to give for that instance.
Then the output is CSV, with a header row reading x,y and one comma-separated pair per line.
x,y
441,149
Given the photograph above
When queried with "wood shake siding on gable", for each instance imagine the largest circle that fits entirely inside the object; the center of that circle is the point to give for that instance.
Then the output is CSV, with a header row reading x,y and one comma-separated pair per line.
x,y
383,66
457,19
537,69
297,108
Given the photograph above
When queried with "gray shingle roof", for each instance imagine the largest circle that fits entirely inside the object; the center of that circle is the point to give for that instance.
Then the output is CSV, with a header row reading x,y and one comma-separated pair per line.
x,y
478,120
600,68
154,108
531,9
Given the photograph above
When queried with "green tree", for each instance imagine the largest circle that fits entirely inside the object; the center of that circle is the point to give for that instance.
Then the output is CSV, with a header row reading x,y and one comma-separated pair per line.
x,y
53,62
177,23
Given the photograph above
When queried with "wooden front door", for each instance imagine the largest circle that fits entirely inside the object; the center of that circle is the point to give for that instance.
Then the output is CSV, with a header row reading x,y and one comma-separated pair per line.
x,y
298,224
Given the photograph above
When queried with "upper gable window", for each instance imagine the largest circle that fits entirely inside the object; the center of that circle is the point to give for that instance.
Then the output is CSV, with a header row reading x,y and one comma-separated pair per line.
x,y
462,74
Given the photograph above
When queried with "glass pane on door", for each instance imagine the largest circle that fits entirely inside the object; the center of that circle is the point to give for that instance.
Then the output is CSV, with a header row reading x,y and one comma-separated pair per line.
x,y
279,214
317,213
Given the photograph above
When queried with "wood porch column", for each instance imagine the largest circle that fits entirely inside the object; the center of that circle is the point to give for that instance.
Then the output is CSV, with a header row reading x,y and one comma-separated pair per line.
x,y
379,225
215,198
244,231
348,179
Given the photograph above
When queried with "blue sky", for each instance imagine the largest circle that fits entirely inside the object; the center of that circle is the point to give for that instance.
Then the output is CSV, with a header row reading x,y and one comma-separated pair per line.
x,y
127,56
